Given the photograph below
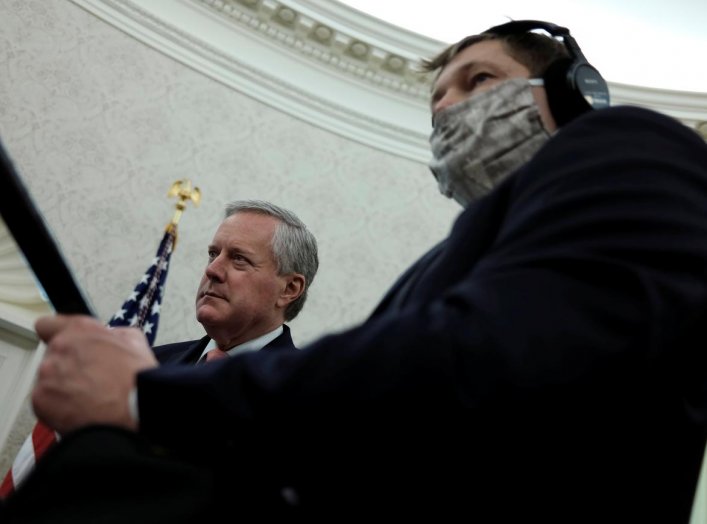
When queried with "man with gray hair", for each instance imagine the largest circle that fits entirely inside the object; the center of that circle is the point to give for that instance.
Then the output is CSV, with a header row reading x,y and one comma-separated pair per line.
x,y
261,262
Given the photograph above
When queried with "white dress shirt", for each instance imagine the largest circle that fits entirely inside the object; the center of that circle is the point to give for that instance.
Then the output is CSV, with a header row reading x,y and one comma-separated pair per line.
x,y
252,345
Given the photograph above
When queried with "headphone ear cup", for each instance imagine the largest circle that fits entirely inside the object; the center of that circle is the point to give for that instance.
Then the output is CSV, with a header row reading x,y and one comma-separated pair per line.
x,y
565,101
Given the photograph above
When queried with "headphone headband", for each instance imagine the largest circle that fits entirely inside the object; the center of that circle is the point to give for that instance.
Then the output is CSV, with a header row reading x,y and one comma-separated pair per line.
x,y
573,85
524,26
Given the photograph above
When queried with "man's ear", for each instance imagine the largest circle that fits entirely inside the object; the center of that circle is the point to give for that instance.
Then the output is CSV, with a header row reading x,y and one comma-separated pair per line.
x,y
293,289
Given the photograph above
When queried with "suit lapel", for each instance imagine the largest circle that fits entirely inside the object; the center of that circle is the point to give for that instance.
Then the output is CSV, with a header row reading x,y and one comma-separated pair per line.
x,y
472,236
398,295
193,352
283,341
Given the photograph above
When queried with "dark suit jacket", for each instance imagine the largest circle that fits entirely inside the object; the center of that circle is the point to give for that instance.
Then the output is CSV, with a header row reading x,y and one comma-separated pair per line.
x,y
189,352
546,363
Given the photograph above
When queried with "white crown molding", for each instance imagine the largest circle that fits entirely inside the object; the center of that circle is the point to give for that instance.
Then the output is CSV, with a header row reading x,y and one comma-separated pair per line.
x,y
325,63
272,63
688,107
373,31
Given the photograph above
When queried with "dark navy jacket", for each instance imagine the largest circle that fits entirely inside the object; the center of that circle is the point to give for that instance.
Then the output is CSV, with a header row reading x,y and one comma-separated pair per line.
x,y
545,363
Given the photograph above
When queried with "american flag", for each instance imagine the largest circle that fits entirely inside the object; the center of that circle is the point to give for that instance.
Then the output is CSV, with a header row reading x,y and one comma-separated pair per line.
x,y
141,309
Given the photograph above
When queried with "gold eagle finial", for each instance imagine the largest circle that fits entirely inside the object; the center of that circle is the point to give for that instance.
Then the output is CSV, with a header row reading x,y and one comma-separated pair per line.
x,y
183,191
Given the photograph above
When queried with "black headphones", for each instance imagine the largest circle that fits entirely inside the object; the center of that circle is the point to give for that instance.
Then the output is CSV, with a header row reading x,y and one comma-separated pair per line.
x,y
573,86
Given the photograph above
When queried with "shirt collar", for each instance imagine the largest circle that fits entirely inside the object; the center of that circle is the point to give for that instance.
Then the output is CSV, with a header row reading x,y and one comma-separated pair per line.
x,y
252,345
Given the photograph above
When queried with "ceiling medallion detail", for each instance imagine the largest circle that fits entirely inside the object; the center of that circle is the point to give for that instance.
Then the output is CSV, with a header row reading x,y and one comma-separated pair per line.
x,y
320,42
326,64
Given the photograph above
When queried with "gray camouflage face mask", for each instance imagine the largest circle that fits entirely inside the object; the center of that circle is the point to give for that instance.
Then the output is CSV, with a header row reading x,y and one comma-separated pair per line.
x,y
480,141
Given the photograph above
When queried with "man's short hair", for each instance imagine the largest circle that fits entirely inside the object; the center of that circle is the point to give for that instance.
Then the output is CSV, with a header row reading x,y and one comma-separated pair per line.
x,y
534,51
293,245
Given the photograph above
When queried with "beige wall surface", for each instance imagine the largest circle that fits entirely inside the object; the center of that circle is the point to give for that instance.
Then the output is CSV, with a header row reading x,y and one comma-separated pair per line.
x,y
101,125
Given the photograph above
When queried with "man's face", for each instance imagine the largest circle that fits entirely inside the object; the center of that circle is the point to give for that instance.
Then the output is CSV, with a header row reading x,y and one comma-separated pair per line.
x,y
241,294
478,68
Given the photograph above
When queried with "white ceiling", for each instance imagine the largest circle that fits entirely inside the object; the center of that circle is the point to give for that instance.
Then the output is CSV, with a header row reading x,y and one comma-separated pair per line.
x,y
652,43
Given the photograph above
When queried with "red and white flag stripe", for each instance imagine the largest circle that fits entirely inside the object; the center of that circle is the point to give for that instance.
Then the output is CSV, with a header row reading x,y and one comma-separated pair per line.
x,y
141,309
36,443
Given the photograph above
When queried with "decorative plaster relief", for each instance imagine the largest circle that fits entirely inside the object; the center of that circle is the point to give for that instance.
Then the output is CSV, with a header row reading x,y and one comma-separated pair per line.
x,y
315,39
271,63
323,62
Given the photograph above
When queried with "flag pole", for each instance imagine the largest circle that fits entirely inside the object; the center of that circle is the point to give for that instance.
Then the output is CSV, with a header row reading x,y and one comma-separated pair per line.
x,y
141,310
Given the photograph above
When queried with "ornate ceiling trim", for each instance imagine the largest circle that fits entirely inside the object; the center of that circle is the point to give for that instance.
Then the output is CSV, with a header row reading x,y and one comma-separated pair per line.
x,y
301,28
323,62
688,107
269,62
